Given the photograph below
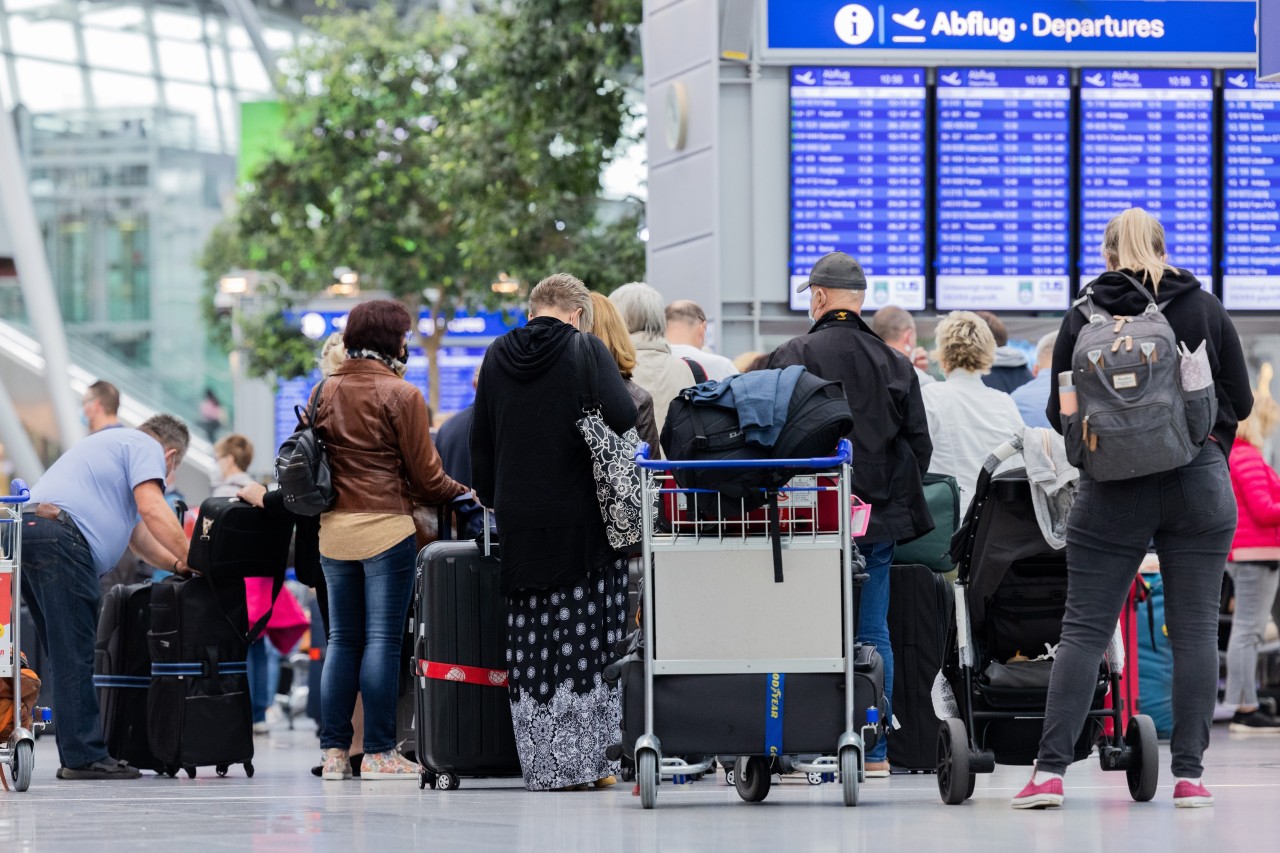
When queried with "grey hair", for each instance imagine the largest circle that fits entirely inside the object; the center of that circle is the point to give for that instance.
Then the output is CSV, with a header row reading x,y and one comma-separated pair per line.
x,y
1044,348
171,432
564,292
642,308
890,322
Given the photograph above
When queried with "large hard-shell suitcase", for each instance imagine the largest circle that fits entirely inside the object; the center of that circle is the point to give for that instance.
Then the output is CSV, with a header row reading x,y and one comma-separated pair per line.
x,y
122,673
921,608
460,663
727,714
198,707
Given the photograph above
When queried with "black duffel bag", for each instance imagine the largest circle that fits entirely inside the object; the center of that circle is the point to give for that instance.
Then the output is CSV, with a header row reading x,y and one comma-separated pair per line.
x,y
235,539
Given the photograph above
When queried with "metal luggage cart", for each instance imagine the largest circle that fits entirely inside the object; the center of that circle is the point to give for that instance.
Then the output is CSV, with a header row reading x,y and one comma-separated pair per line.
x,y
18,752
688,561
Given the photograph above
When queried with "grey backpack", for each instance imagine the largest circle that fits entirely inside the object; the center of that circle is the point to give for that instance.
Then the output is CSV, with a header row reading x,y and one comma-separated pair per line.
x,y
1133,417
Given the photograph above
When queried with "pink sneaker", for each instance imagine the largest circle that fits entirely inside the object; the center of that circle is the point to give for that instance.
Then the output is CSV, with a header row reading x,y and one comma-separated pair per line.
x,y
1044,796
1189,795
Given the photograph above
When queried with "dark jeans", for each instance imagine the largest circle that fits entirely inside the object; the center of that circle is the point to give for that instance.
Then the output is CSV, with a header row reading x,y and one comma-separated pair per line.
x,y
264,677
60,586
1191,514
368,608
873,623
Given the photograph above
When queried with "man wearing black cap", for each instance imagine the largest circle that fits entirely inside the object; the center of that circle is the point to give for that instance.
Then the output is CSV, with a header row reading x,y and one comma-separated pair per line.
x,y
890,436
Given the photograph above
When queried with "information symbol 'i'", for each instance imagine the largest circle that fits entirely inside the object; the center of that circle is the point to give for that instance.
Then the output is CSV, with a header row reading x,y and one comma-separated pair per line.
x,y
854,24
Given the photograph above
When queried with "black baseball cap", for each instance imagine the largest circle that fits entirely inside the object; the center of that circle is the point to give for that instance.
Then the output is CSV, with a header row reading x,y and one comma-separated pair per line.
x,y
836,270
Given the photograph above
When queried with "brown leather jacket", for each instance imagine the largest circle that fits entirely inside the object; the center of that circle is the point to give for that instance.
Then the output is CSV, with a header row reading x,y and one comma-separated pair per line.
x,y
374,427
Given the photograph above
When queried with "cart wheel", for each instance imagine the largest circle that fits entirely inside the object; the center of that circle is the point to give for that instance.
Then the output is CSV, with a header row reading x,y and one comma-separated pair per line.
x,y
248,769
953,762
221,770
24,759
1143,773
849,775
447,782
171,772
815,778
728,776
751,778
647,773
191,772
627,773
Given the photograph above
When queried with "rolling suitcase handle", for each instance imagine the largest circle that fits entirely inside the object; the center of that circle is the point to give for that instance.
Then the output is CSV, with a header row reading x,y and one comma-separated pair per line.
x,y
446,514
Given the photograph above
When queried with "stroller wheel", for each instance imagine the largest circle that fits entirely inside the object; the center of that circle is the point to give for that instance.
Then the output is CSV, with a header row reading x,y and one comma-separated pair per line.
x,y
1143,773
954,778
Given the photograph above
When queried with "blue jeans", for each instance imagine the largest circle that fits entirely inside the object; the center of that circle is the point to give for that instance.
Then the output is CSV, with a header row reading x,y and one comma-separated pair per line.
x,y
60,586
368,606
264,677
873,624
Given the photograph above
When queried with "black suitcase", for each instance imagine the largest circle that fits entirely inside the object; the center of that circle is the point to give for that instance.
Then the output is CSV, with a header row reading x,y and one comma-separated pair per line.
x,y
921,613
460,653
122,673
236,539
198,707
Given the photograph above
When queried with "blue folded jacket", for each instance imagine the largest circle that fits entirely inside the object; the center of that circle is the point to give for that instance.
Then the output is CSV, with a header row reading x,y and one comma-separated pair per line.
x,y
761,398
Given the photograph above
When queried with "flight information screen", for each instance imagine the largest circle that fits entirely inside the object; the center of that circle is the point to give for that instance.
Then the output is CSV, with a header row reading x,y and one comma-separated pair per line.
x,y
1251,193
1004,185
857,178
1146,140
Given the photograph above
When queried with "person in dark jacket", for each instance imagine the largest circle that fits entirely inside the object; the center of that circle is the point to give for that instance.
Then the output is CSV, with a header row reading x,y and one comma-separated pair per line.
x,y
566,587
1190,512
891,446
1009,371
453,440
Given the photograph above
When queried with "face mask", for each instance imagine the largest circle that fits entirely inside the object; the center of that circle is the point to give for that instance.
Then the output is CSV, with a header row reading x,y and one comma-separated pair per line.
x,y
84,420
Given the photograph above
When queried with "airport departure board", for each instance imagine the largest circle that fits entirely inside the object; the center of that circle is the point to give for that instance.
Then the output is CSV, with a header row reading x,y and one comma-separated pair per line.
x,y
857,177
1251,193
1003,189
1146,140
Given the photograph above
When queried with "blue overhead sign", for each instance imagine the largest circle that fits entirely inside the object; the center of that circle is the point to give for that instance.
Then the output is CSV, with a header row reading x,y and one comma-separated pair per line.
x,y
1268,27
1123,26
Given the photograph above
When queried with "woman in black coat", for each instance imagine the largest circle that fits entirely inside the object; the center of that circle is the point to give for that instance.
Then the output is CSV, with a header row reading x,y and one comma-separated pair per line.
x,y
566,587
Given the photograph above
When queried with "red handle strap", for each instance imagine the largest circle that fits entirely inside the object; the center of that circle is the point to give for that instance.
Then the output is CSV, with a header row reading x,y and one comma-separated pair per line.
x,y
465,674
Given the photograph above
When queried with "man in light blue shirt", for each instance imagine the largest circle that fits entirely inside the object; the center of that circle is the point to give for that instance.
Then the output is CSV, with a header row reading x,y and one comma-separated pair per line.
x,y
1033,397
103,495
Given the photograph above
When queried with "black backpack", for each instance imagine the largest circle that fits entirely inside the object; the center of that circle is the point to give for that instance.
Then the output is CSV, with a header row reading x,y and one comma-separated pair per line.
x,y
302,469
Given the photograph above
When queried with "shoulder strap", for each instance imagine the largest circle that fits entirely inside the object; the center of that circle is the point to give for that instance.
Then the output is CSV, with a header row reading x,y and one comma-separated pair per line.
x,y
315,404
588,384
1151,300
699,374
1086,307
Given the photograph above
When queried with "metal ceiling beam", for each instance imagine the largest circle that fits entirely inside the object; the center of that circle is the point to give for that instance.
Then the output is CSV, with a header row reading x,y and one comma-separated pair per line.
x,y
247,14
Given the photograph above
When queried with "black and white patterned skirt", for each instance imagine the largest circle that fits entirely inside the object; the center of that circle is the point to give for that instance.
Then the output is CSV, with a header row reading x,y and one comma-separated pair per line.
x,y
558,643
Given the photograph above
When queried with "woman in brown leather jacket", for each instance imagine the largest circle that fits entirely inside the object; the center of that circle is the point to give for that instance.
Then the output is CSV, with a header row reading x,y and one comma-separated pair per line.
x,y
375,429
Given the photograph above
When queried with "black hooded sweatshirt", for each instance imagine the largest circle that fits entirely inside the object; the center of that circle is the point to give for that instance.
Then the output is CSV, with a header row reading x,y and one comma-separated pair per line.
x,y
528,460
1195,314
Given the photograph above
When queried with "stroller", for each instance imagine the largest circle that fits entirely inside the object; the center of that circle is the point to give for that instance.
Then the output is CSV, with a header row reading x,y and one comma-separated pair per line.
x,y
1011,593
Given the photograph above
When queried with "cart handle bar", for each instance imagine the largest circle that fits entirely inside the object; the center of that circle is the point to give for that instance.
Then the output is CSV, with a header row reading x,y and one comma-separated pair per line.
x,y
844,455
21,494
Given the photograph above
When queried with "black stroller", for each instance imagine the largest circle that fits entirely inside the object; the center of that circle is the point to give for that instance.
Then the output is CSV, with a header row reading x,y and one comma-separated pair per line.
x,y
1011,597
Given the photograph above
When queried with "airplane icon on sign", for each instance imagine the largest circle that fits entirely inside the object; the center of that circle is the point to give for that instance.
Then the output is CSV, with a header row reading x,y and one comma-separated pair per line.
x,y
1095,80
952,79
911,20
1239,80
806,78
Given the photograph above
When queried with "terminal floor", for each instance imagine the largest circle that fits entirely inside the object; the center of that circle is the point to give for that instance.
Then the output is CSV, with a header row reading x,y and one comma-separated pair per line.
x,y
284,808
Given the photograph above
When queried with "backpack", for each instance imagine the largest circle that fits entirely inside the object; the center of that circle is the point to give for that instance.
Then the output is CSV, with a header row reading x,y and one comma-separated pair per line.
x,y
302,469
30,692
236,540
699,373
1133,417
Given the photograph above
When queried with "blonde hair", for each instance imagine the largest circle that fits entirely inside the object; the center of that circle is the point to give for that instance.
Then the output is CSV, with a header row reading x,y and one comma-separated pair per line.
x,y
1134,241
965,342
1266,413
607,325
332,354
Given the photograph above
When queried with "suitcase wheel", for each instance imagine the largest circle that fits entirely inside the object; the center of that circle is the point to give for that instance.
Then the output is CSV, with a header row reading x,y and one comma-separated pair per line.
x,y
447,782
191,772
248,769
221,770
426,778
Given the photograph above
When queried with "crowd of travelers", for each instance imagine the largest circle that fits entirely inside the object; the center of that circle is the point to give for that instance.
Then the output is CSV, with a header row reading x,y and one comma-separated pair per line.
x,y
517,451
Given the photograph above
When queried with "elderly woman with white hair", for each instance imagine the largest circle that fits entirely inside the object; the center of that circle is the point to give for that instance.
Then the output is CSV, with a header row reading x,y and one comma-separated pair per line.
x,y
657,371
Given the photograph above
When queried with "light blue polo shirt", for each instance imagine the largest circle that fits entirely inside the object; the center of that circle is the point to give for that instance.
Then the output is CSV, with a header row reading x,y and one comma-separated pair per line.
x,y
94,481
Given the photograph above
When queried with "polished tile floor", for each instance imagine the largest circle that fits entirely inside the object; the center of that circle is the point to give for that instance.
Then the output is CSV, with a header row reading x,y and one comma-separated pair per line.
x,y
284,808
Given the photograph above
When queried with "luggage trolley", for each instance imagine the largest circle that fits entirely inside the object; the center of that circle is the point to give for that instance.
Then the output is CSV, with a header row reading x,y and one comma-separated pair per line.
x,y
786,647
18,752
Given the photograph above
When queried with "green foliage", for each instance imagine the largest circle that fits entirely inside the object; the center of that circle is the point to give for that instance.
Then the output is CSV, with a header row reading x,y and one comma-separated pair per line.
x,y
430,154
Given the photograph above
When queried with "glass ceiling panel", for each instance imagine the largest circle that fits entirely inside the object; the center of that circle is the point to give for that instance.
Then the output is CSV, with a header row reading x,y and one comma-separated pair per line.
x,y
43,39
123,90
177,24
49,86
118,50
183,61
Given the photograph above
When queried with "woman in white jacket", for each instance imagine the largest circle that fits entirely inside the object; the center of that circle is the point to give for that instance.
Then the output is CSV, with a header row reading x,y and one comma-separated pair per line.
x,y
967,420
657,371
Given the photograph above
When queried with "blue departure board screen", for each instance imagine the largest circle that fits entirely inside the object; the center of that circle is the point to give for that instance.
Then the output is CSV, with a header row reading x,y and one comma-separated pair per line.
x,y
1251,193
1004,188
1146,140
857,178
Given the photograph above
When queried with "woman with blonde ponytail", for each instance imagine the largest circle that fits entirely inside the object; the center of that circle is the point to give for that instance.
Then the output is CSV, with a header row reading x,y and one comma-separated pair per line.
x,y
1255,560
1189,512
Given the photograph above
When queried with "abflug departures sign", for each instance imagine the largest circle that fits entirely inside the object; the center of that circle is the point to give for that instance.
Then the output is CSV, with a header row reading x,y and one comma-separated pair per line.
x,y
857,178
1003,188
1182,26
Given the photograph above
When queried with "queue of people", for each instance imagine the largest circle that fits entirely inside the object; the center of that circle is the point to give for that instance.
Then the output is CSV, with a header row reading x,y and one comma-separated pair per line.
x,y
566,587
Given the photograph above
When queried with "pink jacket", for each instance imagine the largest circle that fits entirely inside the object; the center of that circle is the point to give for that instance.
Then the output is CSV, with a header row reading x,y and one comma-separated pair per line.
x,y
1257,489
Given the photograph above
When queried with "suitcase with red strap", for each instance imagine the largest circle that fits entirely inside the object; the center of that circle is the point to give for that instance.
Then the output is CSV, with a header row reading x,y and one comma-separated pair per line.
x,y
1129,636
460,667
